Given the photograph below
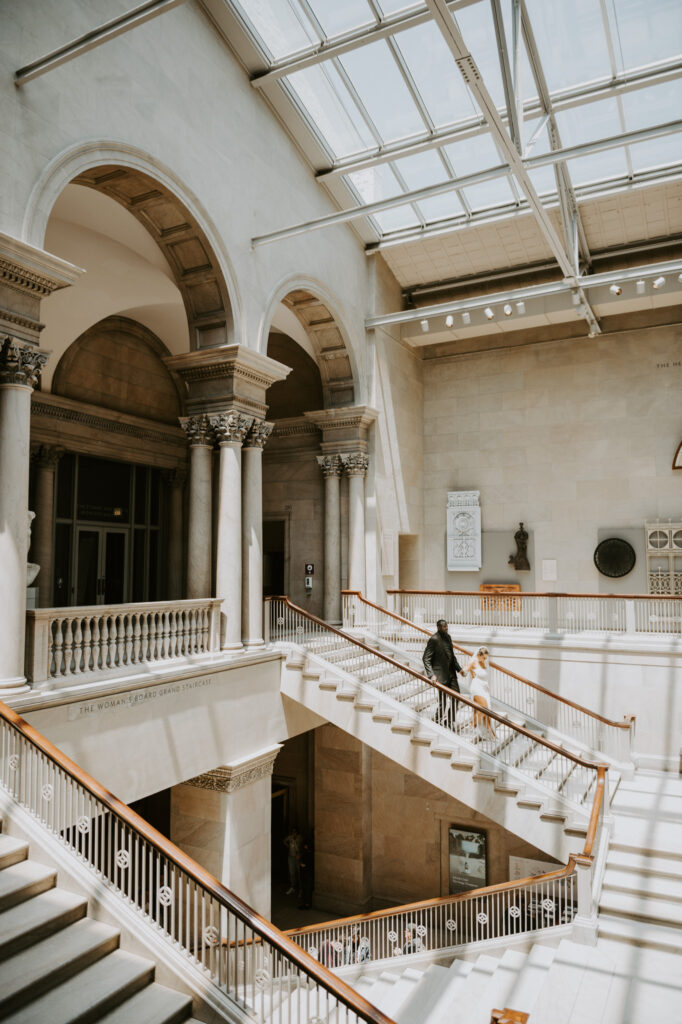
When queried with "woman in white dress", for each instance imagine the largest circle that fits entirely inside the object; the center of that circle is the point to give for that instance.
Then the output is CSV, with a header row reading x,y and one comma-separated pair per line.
x,y
480,691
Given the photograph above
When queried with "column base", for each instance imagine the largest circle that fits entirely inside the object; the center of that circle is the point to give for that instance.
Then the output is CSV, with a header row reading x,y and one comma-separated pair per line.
x,y
233,647
8,687
254,645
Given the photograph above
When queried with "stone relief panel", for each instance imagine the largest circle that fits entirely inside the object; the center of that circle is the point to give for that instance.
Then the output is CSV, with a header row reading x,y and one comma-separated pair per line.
x,y
463,531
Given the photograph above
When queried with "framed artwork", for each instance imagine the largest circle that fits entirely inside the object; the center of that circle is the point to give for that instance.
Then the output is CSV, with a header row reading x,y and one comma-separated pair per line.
x,y
467,858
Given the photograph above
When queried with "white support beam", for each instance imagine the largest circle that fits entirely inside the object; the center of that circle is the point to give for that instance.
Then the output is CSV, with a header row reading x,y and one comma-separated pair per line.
x,y
509,80
566,99
101,34
500,171
670,267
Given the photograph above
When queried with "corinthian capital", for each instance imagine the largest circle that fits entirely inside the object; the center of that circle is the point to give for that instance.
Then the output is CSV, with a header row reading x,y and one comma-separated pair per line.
x,y
355,464
20,363
258,434
330,465
199,430
46,456
231,427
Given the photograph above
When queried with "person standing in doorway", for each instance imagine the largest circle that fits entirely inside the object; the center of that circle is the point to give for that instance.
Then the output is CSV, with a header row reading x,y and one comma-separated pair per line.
x,y
440,663
293,843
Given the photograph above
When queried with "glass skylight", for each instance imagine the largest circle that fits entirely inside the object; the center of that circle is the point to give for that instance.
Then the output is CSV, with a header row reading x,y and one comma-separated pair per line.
x,y
389,96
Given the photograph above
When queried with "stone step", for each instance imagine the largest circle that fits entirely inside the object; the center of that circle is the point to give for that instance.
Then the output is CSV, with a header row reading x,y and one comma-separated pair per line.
x,y
477,983
618,879
12,850
154,1004
638,908
90,994
639,933
37,918
643,863
22,880
53,960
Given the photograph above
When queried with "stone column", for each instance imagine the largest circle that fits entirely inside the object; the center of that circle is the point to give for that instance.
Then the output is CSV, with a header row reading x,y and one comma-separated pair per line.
x,y
230,431
332,468
200,436
45,459
223,820
175,479
20,366
252,533
355,466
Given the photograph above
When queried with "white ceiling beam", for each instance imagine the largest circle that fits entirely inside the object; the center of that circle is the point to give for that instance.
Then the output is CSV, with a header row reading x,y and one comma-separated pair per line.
x,y
350,41
97,36
566,99
589,281
500,171
509,80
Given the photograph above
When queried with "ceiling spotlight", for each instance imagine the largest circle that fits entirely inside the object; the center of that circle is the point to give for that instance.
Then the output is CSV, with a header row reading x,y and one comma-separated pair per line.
x,y
466,319
449,321
507,309
424,325
659,282
616,289
679,278
521,307
489,313
640,287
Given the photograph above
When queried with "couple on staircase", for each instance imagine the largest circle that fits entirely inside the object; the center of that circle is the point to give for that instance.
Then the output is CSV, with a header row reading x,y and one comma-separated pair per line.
x,y
440,662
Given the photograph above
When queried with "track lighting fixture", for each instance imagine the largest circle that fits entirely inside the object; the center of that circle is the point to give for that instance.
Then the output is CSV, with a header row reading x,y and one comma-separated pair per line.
x,y
449,320
640,287
424,325
466,319
659,282
507,310
615,289
521,308
489,313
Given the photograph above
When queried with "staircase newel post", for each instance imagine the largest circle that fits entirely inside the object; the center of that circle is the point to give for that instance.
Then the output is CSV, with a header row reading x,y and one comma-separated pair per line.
x,y
585,922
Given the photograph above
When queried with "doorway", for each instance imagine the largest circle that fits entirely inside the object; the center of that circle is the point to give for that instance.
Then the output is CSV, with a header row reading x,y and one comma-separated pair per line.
x,y
101,563
274,557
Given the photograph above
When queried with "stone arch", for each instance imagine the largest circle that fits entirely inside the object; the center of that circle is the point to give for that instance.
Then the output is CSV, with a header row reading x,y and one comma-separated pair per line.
x,y
169,212
315,309
143,385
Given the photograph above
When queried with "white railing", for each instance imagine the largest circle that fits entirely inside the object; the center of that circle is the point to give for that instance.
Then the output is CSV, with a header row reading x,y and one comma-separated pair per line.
x,y
631,614
233,949
542,765
591,730
62,643
502,911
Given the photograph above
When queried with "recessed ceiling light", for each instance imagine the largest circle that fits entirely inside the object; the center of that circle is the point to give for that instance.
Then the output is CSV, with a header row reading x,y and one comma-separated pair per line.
x,y
659,282
424,325
489,313
615,289
466,319
449,321
521,307
507,309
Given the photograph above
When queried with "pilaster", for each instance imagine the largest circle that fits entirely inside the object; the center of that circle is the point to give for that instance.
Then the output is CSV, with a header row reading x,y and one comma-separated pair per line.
x,y
252,533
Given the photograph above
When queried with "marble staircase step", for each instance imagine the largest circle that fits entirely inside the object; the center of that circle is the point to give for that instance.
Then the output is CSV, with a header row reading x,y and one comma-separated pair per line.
x,y
645,864
628,880
20,881
477,983
154,1004
12,851
616,929
37,918
578,980
649,909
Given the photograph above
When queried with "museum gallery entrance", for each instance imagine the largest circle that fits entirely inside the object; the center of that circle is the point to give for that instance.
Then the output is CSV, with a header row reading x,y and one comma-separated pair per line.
x,y
107,532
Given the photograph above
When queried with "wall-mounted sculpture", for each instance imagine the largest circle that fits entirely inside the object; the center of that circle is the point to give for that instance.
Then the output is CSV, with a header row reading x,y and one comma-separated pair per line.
x,y
520,559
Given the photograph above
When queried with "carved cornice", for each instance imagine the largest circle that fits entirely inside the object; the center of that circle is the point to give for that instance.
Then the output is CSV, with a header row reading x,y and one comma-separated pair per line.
x,y
87,419
258,434
228,361
343,417
21,321
355,464
20,363
46,456
32,270
294,427
331,465
199,430
230,427
228,778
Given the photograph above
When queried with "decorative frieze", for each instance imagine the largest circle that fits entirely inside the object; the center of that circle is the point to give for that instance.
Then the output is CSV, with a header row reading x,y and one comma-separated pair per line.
x,y
355,463
258,434
331,465
228,778
20,363
17,276
199,430
45,405
231,427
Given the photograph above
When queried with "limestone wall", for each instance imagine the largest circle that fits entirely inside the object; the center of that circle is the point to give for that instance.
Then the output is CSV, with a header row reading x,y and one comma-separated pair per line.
x,y
572,437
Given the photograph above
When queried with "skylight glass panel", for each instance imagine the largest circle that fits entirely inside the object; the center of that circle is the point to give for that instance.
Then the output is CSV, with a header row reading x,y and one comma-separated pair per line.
x,y
422,169
647,30
339,16
379,84
375,183
488,193
389,7
542,178
442,207
571,41
396,219
324,96
528,87
476,25
585,170
588,123
281,24
644,108
436,75
478,153
656,153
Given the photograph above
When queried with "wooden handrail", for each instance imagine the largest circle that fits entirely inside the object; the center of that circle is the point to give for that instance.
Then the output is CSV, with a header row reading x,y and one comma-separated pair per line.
x,y
627,724
535,593
597,803
584,762
278,939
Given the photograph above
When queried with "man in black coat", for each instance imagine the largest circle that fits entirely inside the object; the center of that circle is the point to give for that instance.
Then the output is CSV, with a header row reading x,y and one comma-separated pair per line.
x,y
440,663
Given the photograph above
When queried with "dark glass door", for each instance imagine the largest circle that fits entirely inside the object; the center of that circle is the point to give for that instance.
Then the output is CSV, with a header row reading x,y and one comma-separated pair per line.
x,y
100,566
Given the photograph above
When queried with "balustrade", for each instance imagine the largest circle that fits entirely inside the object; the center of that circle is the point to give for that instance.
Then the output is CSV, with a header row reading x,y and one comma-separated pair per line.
x,y
63,643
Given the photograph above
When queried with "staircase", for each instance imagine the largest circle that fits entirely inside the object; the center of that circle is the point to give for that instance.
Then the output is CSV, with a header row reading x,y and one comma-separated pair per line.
x,y
533,788
61,966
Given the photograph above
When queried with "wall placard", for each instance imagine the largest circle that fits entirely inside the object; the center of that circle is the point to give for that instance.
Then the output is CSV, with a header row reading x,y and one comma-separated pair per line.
x,y
464,531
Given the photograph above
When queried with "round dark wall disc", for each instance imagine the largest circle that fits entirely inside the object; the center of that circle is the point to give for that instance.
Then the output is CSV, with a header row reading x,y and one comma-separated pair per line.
x,y
614,557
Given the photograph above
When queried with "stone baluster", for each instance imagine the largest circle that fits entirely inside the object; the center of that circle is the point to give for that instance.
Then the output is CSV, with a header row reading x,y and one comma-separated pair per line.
x,y
20,366
200,436
355,465
230,430
332,467
252,533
